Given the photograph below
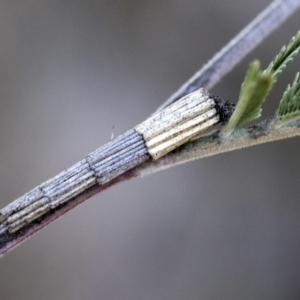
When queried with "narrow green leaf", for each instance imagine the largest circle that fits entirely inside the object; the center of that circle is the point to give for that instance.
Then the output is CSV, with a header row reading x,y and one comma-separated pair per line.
x,y
289,107
253,93
285,56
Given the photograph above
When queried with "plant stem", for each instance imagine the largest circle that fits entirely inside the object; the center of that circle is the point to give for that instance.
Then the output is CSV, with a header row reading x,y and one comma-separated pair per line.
x,y
203,147
215,144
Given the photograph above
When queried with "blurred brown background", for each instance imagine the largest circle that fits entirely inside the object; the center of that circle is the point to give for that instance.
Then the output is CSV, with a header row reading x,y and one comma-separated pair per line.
x,y
226,227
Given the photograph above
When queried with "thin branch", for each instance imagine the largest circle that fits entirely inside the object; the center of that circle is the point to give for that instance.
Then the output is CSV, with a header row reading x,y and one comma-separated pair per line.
x,y
264,132
229,56
203,147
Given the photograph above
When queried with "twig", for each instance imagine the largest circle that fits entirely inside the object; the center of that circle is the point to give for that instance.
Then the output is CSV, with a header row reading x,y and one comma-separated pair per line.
x,y
229,56
215,144
203,147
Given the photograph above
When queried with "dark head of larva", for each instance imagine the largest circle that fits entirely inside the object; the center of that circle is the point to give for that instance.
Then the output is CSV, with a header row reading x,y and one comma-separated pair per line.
x,y
224,108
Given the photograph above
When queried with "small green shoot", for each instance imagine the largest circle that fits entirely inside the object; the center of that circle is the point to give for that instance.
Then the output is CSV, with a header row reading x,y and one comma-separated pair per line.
x,y
254,90
257,85
289,107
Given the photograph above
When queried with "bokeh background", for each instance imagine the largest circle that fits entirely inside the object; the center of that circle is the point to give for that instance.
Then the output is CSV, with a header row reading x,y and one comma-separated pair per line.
x,y
225,227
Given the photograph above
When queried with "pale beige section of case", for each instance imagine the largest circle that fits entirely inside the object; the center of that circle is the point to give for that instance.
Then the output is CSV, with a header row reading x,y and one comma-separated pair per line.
x,y
178,123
